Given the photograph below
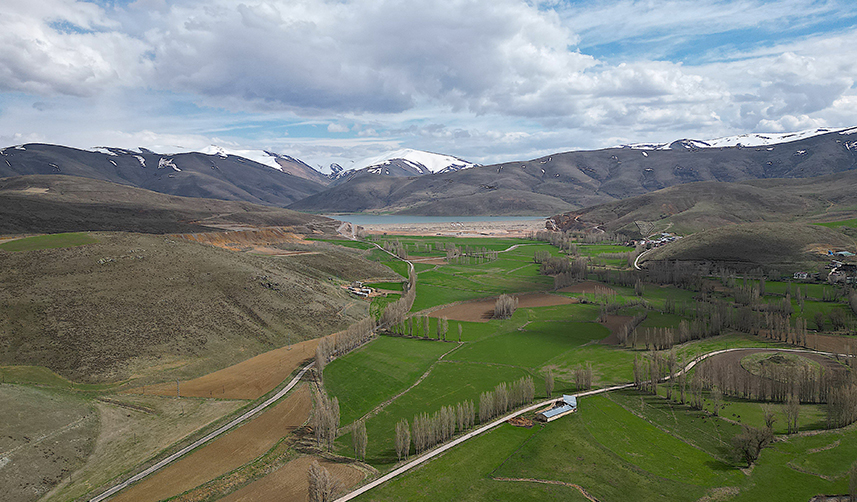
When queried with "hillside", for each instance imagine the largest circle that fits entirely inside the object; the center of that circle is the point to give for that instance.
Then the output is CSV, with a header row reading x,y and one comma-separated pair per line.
x,y
154,306
56,203
572,180
215,176
783,246
698,206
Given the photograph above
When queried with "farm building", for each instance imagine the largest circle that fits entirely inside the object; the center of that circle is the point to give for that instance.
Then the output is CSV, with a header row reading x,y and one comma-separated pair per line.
x,y
561,408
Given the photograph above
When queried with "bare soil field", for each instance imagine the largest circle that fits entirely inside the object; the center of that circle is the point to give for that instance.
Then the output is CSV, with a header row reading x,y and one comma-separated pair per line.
x,y
483,310
249,379
511,228
289,482
225,453
614,323
587,287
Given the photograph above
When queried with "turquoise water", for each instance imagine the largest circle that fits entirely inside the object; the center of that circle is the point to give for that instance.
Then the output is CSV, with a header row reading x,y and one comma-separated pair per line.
x,y
394,219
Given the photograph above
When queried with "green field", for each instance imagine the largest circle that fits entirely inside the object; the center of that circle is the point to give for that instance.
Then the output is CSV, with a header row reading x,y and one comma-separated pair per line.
x,y
52,241
364,378
532,346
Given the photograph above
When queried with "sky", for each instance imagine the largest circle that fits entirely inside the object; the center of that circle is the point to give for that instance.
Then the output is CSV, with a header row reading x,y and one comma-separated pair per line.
x,y
483,80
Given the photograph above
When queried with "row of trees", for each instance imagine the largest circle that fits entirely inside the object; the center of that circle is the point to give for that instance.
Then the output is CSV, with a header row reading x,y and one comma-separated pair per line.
x,y
395,312
397,248
505,306
505,397
342,343
577,271
325,422
429,430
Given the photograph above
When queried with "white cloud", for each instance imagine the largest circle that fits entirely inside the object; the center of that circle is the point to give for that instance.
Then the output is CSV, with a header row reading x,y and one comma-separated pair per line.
x,y
486,80
337,128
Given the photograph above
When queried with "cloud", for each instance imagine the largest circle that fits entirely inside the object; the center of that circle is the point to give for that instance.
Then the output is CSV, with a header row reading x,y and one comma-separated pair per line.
x,y
337,128
482,79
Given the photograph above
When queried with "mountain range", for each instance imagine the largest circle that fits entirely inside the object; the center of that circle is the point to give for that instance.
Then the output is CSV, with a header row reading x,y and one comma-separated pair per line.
x,y
422,183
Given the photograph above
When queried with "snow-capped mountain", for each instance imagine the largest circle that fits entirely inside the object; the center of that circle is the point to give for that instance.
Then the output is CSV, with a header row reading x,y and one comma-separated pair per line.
x,y
416,161
753,140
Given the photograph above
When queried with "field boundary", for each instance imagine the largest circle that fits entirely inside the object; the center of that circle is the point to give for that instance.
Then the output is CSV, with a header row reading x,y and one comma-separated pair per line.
x,y
196,444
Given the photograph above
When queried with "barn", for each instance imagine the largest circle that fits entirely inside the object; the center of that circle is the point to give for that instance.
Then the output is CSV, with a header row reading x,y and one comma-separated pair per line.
x,y
561,408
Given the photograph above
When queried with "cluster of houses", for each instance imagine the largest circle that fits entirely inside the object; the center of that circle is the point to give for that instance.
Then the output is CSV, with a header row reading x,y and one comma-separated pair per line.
x,y
840,272
664,238
358,289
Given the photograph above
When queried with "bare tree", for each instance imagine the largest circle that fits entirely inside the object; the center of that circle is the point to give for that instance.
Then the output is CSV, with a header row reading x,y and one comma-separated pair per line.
x,y
403,439
505,306
770,417
750,443
852,483
459,332
549,384
792,412
716,396
359,440
322,485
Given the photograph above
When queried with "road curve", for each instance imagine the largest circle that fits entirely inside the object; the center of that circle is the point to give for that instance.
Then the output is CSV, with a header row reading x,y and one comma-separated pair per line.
x,y
196,444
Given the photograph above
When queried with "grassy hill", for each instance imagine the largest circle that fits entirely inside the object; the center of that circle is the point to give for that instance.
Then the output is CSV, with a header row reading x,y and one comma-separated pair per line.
x,y
698,206
56,203
750,245
152,306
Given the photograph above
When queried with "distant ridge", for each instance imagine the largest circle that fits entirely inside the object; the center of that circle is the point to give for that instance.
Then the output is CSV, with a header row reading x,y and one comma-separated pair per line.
x,y
573,180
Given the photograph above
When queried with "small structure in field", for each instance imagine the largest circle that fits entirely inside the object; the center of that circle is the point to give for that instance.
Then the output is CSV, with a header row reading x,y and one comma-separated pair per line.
x,y
561,408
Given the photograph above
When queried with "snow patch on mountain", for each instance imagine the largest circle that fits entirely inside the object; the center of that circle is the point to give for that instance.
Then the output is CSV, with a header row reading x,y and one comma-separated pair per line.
x,y
261,156
422,162
742,140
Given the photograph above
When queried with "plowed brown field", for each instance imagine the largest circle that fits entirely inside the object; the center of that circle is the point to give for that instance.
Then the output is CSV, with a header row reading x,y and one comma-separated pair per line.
x,y
289,482
249,379
225,453
483,310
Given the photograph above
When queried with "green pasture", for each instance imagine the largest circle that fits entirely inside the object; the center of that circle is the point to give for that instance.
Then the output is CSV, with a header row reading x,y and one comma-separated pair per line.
x,y
51,241
567,450
661,453
465,474
811,417
580,312
659,320
533,345
346,243
836,224
389,286
597,249
448,384
610,365
366,377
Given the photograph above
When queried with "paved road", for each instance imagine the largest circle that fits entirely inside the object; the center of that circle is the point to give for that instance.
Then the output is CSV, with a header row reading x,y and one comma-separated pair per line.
x,y
175,456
